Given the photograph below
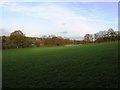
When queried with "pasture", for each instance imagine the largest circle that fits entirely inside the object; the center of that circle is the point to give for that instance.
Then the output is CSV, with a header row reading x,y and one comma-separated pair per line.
x,y
82,66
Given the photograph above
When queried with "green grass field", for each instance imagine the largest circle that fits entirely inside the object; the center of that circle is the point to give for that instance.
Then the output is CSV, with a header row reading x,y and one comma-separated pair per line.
x,y
82,66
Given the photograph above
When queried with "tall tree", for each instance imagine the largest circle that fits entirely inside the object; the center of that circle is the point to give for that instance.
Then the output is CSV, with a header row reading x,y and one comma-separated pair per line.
x,y
18,38
111,32
88,38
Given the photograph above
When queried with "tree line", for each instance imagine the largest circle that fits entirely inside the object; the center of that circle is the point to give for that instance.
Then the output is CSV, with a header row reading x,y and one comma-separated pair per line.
x,y
102,36
17,39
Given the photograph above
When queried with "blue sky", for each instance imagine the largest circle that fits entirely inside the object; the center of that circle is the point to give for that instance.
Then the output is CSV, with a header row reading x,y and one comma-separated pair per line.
x,y
67,19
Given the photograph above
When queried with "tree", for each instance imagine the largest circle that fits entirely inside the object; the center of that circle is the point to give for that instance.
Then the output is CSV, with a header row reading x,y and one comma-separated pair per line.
x,y
110,35
18,38
7,43
111,32
88,38
96,36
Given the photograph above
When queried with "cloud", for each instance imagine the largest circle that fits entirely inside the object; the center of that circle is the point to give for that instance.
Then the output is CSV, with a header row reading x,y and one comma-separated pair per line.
x,y
58,19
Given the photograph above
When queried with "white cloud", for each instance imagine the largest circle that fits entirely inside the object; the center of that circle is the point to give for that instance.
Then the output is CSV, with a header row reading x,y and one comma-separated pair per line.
x,y
58,18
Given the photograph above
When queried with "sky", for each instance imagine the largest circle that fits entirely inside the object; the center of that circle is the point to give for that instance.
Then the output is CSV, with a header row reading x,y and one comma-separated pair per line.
x,y
66,19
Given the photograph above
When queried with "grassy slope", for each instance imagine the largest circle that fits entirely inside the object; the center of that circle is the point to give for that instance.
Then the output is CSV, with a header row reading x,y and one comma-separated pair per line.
x,y
93,65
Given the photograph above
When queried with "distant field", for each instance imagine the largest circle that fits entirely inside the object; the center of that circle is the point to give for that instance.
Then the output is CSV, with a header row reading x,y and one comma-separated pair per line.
x,y
82,66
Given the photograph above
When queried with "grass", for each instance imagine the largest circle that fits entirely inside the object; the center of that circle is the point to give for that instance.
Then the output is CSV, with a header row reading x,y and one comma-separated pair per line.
x,y
83,66
0,68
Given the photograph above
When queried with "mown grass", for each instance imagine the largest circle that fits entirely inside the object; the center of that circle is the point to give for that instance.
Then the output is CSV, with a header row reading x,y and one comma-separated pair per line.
x,y
83,66
0,68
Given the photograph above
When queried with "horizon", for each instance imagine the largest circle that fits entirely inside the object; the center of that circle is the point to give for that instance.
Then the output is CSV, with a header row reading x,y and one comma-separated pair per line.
x,y
66,19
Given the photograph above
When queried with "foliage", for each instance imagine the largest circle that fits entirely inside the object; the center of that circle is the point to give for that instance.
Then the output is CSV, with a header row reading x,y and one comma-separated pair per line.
x,y
88,38
102,36
107,36
18,40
